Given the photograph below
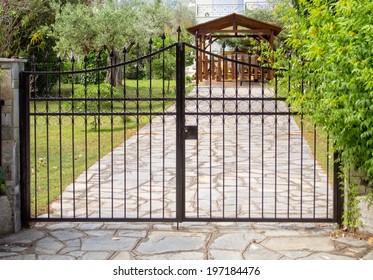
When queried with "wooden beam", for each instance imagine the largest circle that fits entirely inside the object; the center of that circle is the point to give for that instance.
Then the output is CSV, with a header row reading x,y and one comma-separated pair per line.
x,y
230,36
212,67
200,62
242,68
238,36
235,25
256,70
212,41
225,69
254,31
234,20
233,68
205,67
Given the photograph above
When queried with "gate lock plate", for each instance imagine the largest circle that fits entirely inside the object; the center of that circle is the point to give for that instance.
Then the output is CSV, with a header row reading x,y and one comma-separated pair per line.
x,y
191,132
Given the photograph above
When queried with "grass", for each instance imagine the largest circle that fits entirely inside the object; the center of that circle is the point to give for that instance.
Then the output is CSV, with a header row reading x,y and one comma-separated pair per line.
x,y
316,137
320,147
63,147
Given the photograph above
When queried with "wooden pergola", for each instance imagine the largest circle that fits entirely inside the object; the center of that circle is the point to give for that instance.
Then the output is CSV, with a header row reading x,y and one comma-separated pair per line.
x,y
230,26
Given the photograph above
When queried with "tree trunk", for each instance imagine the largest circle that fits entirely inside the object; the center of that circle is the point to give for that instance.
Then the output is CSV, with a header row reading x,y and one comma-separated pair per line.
x,y
114,75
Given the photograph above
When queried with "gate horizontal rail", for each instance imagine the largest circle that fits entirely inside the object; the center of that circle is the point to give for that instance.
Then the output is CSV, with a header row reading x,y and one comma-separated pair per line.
x,y
102,114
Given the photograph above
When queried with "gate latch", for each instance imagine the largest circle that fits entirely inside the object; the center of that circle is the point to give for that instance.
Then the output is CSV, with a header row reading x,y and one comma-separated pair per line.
x,y
191,132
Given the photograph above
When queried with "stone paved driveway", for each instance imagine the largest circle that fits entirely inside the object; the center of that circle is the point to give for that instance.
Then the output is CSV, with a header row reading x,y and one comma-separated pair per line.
x,y
193,241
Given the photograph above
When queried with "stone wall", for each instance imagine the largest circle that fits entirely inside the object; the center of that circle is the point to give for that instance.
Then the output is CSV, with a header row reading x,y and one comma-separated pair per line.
x,y
366,215
10,205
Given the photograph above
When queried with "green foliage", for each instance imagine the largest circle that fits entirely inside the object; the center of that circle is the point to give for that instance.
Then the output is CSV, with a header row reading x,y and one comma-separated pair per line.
x,y
369,199
21,32
90,61
351,216
82,28
95,105
47,62
331,70
165,65
331,60
265,14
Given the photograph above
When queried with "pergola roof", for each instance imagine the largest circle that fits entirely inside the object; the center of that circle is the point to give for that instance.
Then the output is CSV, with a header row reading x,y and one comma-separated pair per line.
x,y
235,23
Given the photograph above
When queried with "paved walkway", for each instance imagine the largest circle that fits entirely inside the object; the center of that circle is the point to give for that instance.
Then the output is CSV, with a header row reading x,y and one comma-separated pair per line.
x,y
193,241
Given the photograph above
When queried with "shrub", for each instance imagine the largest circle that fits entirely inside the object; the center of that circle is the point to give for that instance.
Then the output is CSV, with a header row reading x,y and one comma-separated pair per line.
x,y
95,105
331,69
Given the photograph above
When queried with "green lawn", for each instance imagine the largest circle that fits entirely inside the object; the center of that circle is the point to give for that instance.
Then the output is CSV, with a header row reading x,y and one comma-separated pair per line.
x,y
66,146
319,145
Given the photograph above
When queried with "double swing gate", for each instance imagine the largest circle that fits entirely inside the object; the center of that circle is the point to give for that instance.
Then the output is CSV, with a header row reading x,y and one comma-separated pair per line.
x,y
152,149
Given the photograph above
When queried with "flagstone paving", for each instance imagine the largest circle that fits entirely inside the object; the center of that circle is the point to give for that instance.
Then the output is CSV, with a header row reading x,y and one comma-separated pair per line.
x,y
193,241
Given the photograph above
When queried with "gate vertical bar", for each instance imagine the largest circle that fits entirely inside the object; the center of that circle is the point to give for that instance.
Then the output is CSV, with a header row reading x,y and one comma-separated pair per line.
x,y
338,201
24,130
180,126
1,141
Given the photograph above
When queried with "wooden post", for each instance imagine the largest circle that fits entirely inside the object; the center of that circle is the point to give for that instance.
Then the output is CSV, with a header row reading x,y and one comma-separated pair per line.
x,y
218,78
232,68
199,67
212,67
272,45
205,67
256,69
242,67
225,70
204,58
250,68
200,62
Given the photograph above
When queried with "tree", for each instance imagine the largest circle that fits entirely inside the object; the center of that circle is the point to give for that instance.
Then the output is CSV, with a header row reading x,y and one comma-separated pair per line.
x,y
82,28
109,27
265,14
165,66
20,26
24,28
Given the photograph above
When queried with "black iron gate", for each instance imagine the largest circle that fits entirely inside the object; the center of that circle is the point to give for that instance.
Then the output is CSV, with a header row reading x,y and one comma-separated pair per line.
x,y
150,151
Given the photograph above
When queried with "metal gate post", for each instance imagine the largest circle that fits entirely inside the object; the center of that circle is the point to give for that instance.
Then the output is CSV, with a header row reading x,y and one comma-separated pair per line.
x,y
24,130
337,191
180,127
1,129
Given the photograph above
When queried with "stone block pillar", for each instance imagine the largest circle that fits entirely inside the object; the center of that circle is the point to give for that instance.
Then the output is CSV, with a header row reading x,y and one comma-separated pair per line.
x,y
10,205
